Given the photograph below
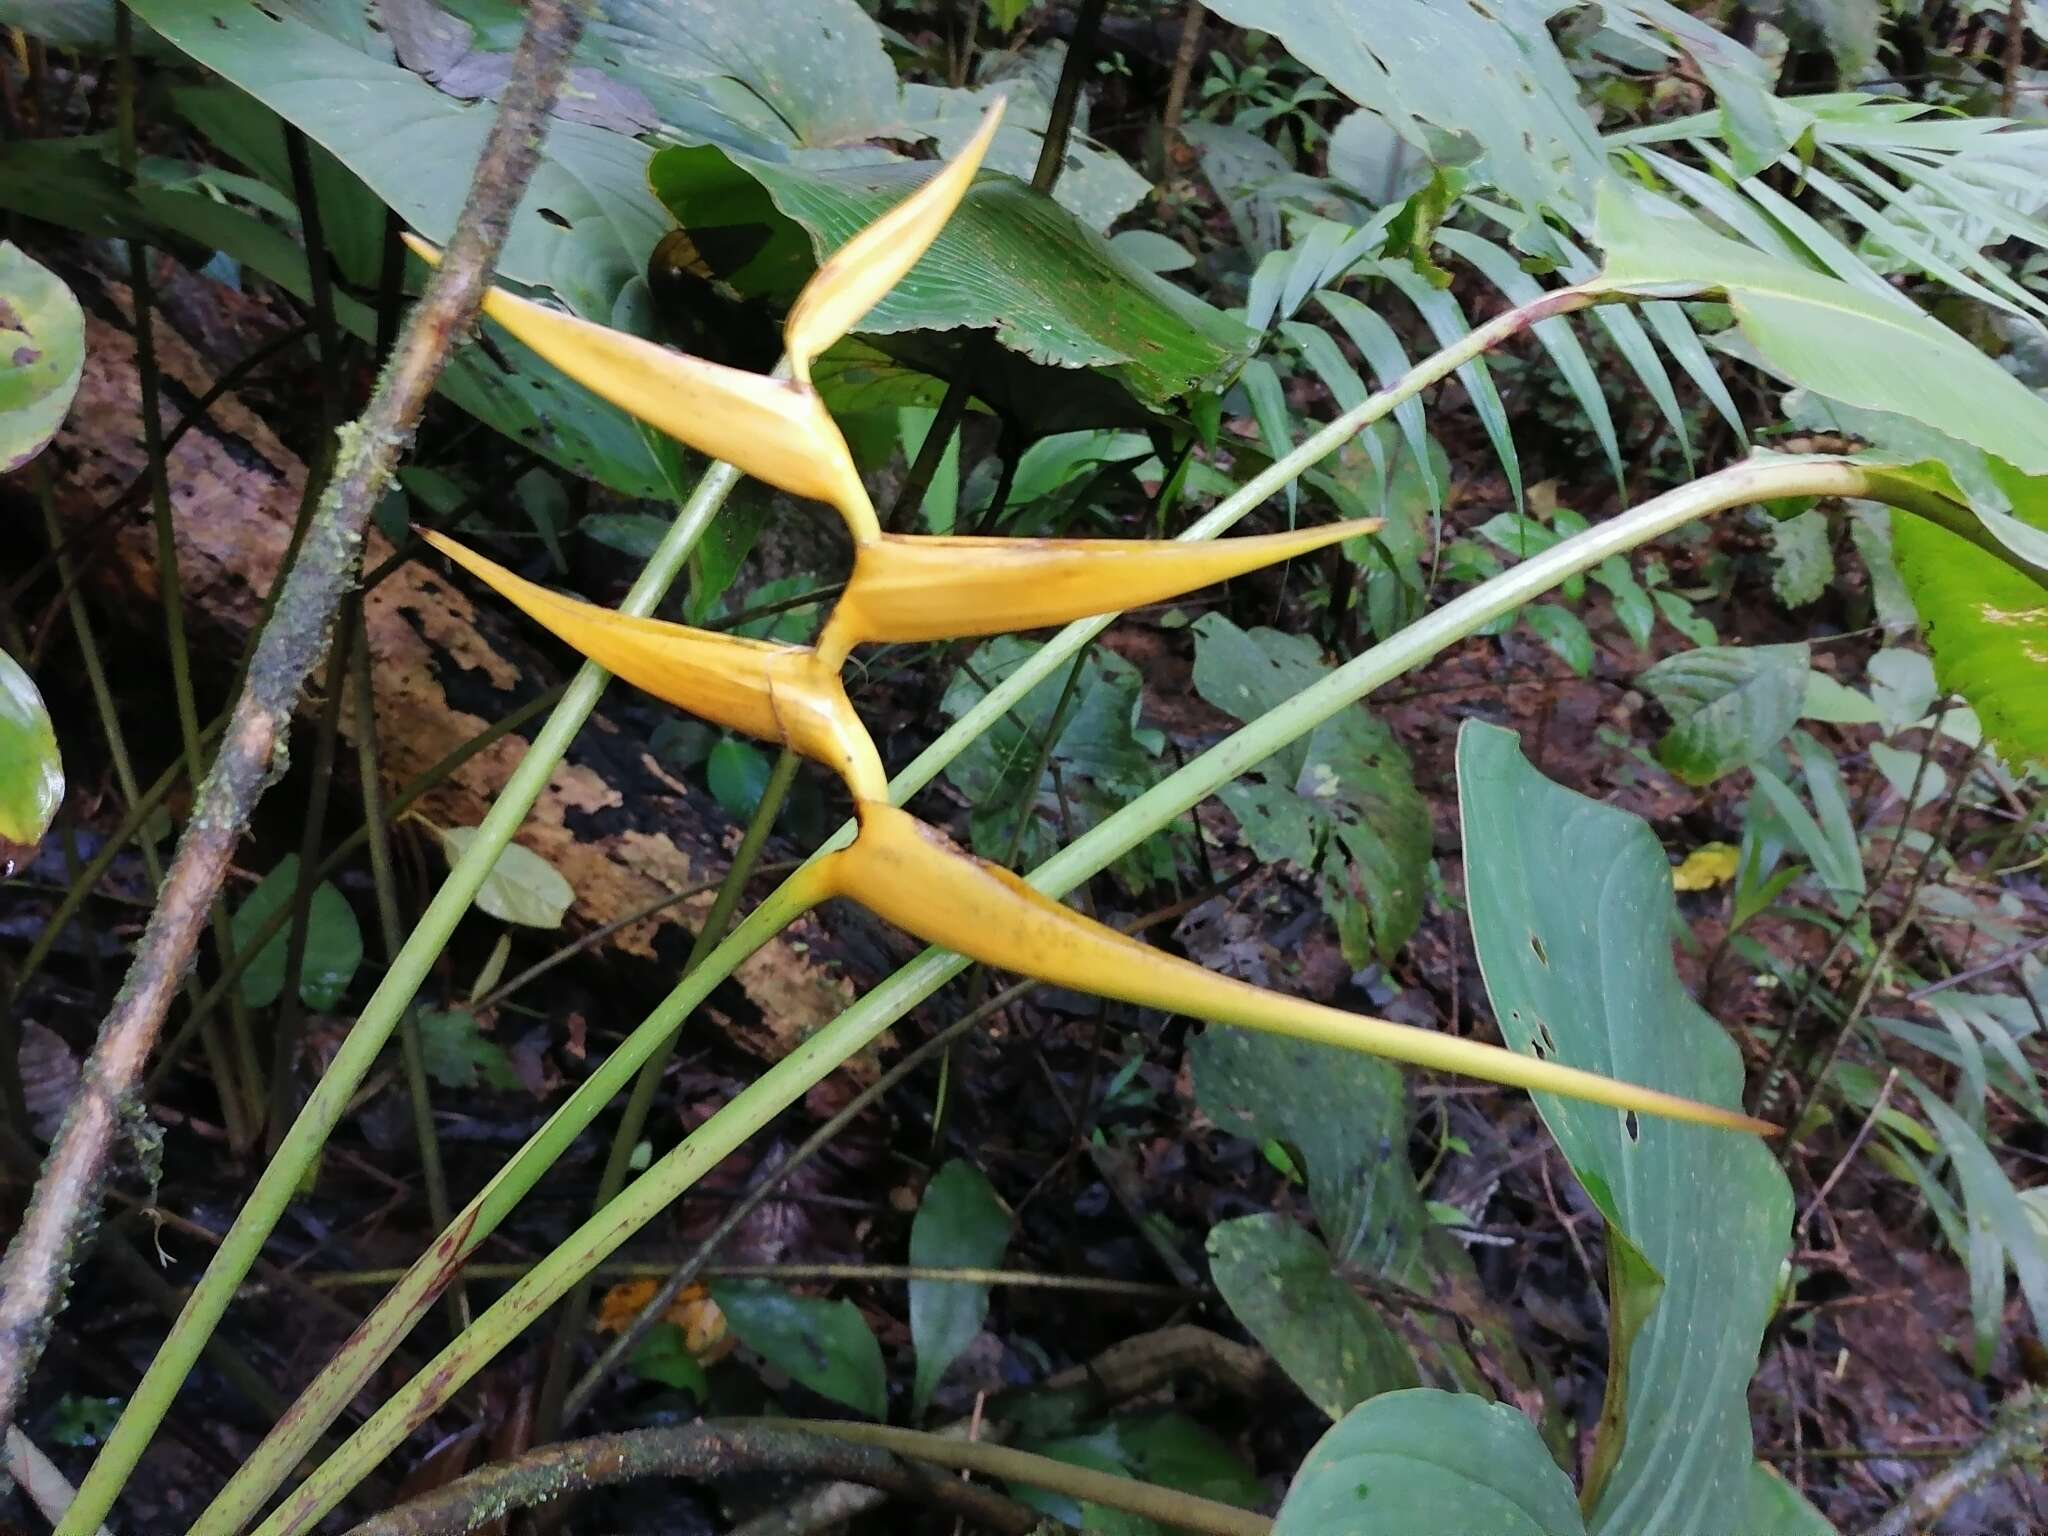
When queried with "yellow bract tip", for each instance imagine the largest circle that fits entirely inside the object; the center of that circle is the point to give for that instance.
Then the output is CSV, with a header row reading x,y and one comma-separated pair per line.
x,y
860,272
779,693
913,588
906,873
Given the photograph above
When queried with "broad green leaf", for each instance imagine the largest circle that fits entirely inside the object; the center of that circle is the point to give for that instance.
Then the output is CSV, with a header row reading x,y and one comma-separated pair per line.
x,y
1426,1463
1452,76
1169,1450
1280,1283
1346,1118
1572,912
525,400
1341,803
1775,1508
31,769
738,773
1902,687
1010,262
1101,760
961,1224
1729,705
1564,632
334,941
1836,703
1828,336
637,534
522,887
826,1345
42,355
458,1054
2000,1227
1987,626
587,224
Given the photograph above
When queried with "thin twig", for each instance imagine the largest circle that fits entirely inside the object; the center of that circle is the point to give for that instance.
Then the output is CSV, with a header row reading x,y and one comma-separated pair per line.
x,y
66,1201
2022,1428
703,1450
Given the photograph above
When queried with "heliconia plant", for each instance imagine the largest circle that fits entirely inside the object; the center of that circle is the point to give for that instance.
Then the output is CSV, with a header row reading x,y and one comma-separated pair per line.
x,y
915,587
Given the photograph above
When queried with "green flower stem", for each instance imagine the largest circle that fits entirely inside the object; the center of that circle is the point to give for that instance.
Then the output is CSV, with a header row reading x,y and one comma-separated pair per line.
x,y
785,1082
396,1314
366,1040
640,1102
353,1366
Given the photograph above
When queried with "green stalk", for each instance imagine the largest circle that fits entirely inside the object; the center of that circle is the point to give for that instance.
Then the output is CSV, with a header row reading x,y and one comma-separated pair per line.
x,y
363,698
785,1082
618,1162
366,1040
354,1365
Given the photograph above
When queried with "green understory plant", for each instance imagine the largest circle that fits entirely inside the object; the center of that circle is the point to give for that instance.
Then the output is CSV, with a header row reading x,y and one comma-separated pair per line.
x,y
1814,326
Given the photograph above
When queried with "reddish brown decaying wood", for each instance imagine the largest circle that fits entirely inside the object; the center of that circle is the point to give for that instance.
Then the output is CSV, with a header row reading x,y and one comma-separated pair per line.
x,y
617,826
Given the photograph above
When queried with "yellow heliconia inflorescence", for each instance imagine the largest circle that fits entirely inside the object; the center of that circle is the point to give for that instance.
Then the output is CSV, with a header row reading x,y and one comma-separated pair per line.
x,y
915,588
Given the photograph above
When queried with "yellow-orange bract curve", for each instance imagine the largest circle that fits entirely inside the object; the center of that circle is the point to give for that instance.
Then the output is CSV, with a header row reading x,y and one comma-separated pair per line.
x,y
909,588
857,275
903,871
780,693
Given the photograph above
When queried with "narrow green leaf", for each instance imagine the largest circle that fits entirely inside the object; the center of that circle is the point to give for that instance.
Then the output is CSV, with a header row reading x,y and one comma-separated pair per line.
x,y
1834,339
1997,1221
961,1224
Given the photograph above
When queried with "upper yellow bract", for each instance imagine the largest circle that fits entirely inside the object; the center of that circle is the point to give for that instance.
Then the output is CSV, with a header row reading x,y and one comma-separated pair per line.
x,y
858,274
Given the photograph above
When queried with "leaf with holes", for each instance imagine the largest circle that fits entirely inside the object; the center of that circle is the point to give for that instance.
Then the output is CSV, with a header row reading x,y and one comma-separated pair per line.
x,y
1572,912
1426,1463
1341,802
42,355
1729,705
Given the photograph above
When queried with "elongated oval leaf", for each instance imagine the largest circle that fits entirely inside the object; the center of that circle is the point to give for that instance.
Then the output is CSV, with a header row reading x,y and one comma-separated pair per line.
x,y
31,772
1425,1463
42,354
1572,911
1729,705
522,887
334,941
961,1224
1283,1286
826,1345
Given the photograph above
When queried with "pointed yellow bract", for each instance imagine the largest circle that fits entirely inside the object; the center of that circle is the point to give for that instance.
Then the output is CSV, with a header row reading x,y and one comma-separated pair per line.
x,y
779,693
857,275
774,429
914,588
905,872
